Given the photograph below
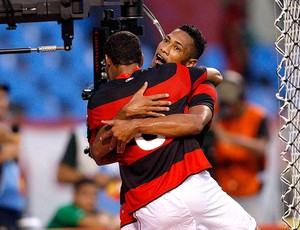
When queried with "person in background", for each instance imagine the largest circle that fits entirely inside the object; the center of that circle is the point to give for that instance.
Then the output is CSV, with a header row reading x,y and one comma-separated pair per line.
x,y
82,211
12,200
75,166
239,140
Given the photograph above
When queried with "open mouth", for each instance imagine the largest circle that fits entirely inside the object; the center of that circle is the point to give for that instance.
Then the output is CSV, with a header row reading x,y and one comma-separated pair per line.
x,y
159,59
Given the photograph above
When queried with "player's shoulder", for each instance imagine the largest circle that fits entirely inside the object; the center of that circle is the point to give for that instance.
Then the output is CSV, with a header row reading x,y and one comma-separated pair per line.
x,y
197,71
163,69
166,66
172,68
197,68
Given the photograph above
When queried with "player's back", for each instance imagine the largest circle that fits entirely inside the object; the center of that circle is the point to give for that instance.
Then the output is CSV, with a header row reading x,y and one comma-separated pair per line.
x,y
171,78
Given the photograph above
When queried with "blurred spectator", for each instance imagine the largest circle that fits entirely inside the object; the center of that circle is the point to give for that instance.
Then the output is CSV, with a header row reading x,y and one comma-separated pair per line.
x,y
12,201
240,136
82,211
75,165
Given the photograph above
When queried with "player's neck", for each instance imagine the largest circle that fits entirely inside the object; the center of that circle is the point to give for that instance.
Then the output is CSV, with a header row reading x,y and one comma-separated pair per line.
x,y
126,69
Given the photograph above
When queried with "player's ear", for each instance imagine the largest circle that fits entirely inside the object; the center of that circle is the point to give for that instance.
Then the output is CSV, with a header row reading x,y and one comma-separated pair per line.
x,y
191,62
108,61
142,61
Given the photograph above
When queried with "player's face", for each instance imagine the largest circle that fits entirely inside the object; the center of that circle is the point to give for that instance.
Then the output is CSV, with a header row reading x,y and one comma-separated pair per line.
x,y
176,47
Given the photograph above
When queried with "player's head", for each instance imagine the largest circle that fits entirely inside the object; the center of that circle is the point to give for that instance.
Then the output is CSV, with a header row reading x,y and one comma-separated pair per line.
x,y
183,45
85,194
123,48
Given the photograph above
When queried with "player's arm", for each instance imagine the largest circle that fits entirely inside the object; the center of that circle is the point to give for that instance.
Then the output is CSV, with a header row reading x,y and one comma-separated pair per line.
x,y
180,126
201,107
214,76
152,106
174,125
139,106
144,106
100,150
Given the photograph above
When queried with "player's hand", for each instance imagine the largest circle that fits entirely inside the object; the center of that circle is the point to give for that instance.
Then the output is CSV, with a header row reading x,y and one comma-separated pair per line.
x,y
144,106
121,133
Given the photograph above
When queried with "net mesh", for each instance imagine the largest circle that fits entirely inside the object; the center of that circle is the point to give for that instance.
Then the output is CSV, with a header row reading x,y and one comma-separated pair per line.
x,y
288,46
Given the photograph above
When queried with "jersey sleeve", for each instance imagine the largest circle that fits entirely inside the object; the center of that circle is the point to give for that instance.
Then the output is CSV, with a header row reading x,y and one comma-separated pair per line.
x,y
92,129
204,94
198,75
93,120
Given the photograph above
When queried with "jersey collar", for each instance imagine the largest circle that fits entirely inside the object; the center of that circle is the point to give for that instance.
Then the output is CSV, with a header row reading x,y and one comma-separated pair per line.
x,y
126,75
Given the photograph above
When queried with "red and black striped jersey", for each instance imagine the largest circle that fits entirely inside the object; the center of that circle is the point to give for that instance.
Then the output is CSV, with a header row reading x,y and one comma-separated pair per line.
x,y
153,165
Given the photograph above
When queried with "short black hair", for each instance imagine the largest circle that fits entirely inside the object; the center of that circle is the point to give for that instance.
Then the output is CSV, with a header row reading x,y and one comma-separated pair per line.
x,y
84,181
124,48
198,37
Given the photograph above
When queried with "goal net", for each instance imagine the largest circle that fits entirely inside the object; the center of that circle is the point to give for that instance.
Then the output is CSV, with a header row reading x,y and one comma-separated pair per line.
x,y
288,71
